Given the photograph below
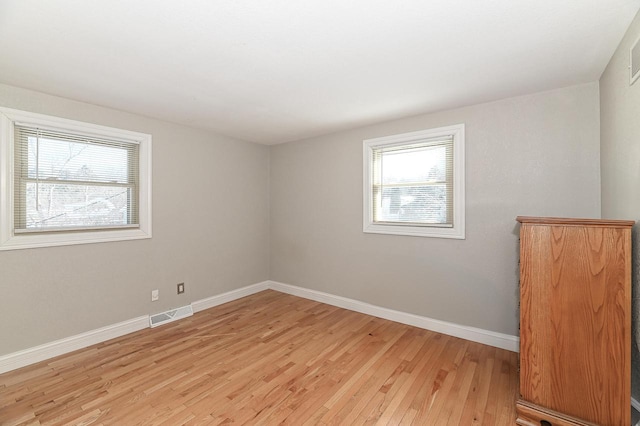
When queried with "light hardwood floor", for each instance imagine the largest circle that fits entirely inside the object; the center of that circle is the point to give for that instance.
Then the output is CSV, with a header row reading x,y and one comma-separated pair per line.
x,y
268,359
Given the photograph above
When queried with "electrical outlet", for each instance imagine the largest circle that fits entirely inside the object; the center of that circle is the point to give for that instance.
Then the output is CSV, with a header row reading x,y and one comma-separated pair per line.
x,y
180,288
155,295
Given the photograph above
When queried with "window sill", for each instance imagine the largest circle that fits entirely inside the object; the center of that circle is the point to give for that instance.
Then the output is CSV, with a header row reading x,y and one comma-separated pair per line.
x,y
415,231
25,241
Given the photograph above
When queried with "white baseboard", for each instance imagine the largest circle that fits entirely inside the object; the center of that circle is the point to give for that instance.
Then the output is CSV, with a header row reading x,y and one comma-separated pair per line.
x,y
29,356
491,338
49,350
210,302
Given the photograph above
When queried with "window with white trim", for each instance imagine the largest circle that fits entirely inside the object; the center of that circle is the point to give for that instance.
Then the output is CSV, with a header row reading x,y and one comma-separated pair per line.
x,y
67,182
414,183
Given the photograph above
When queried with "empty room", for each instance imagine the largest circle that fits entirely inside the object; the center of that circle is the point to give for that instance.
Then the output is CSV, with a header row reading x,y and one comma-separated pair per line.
x,y
319,213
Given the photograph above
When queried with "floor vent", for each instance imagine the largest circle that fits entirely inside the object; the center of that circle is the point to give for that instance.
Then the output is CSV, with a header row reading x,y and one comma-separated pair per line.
x,y
169,316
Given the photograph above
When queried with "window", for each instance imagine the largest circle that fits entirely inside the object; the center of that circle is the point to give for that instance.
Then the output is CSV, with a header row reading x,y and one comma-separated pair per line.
x,y
66,182
414,183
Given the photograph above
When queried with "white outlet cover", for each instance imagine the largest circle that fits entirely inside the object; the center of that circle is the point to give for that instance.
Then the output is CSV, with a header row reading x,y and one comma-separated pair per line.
x,y
155,295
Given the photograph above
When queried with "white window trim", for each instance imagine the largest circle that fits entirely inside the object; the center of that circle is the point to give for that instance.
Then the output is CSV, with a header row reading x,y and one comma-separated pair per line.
x,y
11,241
458,229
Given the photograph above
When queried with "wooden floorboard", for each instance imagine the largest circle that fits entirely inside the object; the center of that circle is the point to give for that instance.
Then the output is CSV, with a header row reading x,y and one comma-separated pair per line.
x,y
269,359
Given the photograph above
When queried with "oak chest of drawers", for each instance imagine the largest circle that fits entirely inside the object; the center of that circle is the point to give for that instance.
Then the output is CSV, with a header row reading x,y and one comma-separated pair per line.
x,y
575,322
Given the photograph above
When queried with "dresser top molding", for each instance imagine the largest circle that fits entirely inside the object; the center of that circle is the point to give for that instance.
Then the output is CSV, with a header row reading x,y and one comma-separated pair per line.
x,y
532,220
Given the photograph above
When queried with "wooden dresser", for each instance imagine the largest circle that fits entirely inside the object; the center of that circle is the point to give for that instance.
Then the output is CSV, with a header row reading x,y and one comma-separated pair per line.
x,y
575,322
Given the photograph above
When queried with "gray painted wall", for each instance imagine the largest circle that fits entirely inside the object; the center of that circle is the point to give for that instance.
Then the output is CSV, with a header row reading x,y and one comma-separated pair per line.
x,y
620,161
534,155
531,155
210,230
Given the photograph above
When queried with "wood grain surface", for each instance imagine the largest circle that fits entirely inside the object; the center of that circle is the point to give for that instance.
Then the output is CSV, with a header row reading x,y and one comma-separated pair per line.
x,y
575,321
269,359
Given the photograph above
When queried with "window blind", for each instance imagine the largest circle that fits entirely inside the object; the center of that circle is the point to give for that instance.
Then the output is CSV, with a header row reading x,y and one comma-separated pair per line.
x,y
67,181
413,183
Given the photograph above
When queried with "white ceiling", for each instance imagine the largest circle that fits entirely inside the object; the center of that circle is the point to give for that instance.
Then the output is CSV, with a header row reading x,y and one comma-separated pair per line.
x,y
281,70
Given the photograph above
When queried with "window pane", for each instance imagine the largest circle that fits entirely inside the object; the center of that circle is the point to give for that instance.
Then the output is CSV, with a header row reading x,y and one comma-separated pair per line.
x,y
414,204
61,159
414,184
71,205
414,165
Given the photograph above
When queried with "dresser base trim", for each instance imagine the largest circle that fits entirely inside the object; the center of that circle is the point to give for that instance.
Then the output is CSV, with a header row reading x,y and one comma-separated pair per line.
x,y
534,415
